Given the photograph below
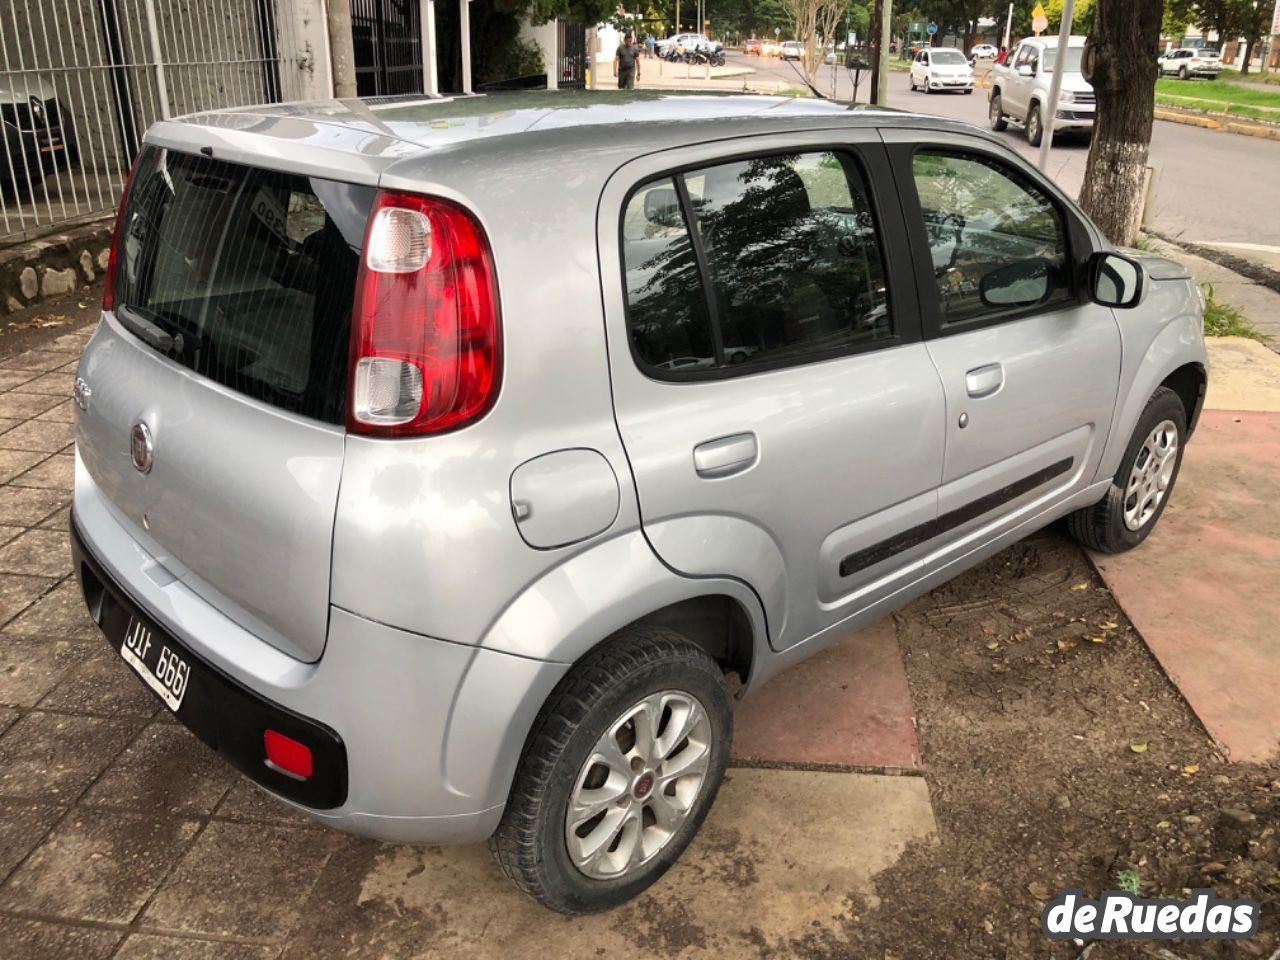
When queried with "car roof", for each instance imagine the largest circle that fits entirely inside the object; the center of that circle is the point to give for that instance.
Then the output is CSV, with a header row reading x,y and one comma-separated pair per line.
x,y
359,139
1072,41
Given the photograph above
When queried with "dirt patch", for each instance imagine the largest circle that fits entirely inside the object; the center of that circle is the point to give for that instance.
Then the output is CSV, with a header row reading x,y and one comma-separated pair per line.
x,y
1058,755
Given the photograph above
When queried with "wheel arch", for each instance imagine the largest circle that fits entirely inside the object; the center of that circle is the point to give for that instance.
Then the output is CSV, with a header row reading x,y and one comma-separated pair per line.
x,y
1174,356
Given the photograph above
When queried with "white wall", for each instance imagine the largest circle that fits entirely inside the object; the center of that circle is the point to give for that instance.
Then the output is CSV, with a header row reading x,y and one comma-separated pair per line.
x,y
546,35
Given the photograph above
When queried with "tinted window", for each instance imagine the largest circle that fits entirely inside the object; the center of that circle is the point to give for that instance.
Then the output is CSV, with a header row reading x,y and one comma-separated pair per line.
x,y
997,241
666,301
791,257
244,276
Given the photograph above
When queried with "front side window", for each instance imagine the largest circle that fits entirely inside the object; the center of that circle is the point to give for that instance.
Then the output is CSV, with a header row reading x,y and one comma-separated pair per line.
x,y
787,261
997,242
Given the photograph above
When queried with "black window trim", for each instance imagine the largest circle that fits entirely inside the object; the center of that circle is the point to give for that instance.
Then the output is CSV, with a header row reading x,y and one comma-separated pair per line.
x,y
1079,245
871,160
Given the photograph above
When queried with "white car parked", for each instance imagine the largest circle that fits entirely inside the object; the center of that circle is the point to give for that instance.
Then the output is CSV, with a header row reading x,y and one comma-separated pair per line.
x,y
1191,62
941,68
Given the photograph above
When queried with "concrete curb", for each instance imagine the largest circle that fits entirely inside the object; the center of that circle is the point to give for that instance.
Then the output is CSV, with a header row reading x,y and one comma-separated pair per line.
x,y
1213,122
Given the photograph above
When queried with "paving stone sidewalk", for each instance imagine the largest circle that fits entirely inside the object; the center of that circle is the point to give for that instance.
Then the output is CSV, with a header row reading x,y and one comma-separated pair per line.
x,y
123,837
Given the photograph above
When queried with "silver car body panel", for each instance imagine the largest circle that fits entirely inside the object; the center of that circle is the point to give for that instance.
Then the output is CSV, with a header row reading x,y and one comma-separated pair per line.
x,y
446,626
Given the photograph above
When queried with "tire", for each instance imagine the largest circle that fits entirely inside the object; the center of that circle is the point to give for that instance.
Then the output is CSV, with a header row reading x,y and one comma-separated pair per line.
x,y
1035,129
588,714
995,113
912,78
1105,527
1182,73
968,90
927,88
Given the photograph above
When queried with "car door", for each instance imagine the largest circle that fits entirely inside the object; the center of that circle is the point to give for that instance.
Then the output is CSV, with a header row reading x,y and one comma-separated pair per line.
x,y
920,68
811,437
1030,368
1018,94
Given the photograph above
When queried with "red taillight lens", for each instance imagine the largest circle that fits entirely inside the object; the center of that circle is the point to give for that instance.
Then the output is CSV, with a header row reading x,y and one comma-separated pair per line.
x,y
109,280
287,754
426,342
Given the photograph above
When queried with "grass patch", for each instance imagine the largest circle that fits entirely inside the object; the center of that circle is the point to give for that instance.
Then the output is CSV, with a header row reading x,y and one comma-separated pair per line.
x,y
1217,107
1221,91
1271,77
1224,320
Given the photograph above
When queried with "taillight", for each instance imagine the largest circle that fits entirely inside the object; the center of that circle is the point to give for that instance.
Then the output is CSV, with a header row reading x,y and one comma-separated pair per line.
x,y
109,280
426,343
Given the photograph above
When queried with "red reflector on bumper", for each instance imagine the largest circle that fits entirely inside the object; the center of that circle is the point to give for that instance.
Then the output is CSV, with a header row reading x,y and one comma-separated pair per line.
x,y
287,755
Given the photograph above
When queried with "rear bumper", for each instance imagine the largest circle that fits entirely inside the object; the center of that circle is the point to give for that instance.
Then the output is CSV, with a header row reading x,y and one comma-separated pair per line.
x,y
415,739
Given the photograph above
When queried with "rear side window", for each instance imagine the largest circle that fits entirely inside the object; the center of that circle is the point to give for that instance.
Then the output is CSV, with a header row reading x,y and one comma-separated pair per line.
x,y
244,276
766,261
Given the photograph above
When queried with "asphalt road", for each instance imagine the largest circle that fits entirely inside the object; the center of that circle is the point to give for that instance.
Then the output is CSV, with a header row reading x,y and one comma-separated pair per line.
x,y
1219,189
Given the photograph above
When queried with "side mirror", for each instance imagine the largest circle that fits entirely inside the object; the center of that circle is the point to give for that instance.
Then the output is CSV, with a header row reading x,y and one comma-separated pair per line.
x,y
1115,280
1021,284
1026,71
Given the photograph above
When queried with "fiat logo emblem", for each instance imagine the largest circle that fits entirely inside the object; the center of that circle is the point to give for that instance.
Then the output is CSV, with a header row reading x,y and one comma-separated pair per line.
x,y
140,447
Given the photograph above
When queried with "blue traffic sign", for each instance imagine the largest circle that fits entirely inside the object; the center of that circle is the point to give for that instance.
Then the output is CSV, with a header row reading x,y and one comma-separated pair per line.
x,y
933,28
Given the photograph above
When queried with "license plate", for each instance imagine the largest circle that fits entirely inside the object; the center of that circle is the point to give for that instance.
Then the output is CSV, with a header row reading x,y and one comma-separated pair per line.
x,y
161,668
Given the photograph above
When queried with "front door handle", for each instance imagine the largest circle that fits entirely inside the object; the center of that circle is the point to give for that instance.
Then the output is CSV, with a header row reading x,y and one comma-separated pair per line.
x,y
725,456
984,381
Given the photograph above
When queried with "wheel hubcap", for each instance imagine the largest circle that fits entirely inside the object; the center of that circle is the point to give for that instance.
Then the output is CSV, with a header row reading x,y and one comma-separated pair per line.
x,y
639,784
1151,475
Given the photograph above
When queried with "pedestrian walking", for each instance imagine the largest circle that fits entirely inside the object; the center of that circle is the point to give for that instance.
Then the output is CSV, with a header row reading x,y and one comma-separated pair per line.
x,y
649,44
626,63
1003,55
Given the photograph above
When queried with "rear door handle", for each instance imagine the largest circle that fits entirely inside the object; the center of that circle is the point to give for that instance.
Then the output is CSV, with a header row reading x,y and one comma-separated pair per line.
x,y
984,381
725,456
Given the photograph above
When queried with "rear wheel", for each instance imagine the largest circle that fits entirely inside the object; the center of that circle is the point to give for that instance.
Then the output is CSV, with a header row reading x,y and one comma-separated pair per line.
x,y
1034,129
1182,73
1141,487
619,771
996,114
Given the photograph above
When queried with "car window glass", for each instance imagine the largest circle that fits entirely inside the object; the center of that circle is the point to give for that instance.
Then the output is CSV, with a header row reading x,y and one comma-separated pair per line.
x,y
666,303
792,256
986,223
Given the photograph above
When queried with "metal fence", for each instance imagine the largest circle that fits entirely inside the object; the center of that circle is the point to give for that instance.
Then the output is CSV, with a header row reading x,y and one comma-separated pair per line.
x,y
571,55
83,79
387,36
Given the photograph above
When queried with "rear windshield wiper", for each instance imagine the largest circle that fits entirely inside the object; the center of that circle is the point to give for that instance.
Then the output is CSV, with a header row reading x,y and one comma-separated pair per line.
x,y
145,330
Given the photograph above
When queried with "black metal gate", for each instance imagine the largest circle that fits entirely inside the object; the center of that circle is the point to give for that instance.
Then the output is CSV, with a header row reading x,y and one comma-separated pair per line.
x,y
571,55
387,35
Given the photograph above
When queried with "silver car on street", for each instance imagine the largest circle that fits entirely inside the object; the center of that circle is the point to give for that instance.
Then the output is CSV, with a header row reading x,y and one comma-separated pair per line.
x,y
451,466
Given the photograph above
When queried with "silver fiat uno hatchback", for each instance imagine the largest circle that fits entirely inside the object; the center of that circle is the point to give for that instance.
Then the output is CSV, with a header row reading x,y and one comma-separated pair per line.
x,y
438,462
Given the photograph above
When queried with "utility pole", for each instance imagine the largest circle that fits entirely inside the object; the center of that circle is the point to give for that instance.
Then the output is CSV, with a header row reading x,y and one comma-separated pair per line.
x,y
878,63
342,49
886,36
1055,85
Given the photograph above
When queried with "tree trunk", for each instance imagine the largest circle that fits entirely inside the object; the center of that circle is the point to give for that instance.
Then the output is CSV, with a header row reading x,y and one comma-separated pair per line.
x,y
1123,75
1249,44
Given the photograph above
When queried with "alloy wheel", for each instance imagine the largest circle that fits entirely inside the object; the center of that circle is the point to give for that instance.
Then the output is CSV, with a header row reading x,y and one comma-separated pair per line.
x,y
639,784
1151,475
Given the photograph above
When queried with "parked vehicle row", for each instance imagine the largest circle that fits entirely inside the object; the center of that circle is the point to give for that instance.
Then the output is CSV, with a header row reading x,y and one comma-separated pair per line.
x,y
688,41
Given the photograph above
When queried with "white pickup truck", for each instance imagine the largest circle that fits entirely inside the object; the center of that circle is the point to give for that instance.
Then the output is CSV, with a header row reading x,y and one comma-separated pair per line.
x,y
1020,89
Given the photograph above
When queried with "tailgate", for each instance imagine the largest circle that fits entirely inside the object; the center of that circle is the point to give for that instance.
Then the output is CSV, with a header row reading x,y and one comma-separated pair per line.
x,y
217,383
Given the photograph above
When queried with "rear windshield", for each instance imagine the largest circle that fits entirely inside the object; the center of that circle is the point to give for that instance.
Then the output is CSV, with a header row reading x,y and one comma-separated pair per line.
x,y
244,276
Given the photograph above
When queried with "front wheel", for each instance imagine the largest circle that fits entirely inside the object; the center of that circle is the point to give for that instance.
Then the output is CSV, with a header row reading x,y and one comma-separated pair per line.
x,y
996,114
1140,489
1034,129
619,771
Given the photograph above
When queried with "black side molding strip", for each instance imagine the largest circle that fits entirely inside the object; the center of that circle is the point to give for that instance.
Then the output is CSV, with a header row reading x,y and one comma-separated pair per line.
x,y
949,521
